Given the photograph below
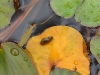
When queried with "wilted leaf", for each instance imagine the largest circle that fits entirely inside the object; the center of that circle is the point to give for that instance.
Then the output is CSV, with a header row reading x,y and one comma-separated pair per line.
x,y
95,46
14,61
16,4
58,71
65,8
67,49
98,73
6,11
26,36
88,13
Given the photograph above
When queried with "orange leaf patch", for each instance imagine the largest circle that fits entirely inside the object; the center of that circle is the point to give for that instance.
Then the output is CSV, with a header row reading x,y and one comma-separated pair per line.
x,y
67,49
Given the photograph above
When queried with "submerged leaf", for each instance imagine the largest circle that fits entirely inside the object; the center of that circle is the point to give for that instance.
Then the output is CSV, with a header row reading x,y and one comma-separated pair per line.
x,y
95,46
67,50
98,73
26,36
58,71
88,14
6,11
65,8
14,61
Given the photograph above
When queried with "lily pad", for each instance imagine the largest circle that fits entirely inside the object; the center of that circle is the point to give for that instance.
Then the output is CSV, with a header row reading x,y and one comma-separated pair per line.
x,y
62,46
58,71
65,8
14,61
88,14
95,46
6,11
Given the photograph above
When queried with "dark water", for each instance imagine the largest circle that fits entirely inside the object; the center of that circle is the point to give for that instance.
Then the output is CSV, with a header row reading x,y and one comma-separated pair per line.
x,y
38,16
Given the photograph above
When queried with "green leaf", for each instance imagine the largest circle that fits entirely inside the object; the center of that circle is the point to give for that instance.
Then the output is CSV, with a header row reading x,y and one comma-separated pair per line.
x,y
88,14
95,46
58,71
65,8
26,36
3,64
14,61
6,11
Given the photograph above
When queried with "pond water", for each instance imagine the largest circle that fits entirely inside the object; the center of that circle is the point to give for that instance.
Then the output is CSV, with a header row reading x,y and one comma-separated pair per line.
x,y
39,14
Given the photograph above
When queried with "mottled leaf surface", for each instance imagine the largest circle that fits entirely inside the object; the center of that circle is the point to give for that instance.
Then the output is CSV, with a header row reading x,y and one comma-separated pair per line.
x,y
88,14
6,11
65,8
95,46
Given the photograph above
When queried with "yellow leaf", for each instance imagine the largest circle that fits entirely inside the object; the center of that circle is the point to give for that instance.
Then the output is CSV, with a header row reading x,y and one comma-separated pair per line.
x,y
67,49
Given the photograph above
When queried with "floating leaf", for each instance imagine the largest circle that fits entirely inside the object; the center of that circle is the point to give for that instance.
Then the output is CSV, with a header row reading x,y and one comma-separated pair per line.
x,y
88,13
95,46
6,11
14,61
67,49
58,71
65,8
